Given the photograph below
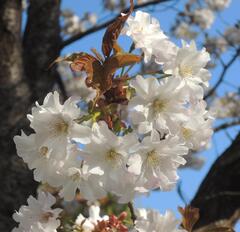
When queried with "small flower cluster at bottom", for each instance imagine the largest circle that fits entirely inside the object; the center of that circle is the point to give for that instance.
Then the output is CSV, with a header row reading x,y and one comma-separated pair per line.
x,y
40,216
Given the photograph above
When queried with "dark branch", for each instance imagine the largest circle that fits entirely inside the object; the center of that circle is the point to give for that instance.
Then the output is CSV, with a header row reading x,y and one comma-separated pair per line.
x,y
223,73
226,125
41,43
15,179
218,195
105,24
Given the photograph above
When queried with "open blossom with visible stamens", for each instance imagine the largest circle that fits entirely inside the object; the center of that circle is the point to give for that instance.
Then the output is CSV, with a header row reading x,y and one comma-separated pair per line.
x,y
156,103
151,220
189,65
107,150
54,123
157,161
38,216
109,153
45,163
196,131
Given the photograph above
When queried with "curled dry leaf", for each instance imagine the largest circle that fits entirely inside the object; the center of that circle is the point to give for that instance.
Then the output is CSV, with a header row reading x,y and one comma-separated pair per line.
x,y
190,216
113,31
99,73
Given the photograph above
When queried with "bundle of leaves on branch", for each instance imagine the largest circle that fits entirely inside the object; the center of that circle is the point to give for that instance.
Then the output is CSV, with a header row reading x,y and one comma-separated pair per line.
x,y
126,140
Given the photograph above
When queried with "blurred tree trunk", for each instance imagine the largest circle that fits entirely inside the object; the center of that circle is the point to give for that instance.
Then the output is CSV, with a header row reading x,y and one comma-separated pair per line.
x,y
218,197
23,79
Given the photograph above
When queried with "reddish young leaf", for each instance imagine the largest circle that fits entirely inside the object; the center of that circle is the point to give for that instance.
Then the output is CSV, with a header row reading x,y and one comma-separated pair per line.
x,y
113,31
120,60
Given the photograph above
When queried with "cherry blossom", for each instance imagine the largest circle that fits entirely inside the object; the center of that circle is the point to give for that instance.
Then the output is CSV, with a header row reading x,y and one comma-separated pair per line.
x,y
151,220
38,216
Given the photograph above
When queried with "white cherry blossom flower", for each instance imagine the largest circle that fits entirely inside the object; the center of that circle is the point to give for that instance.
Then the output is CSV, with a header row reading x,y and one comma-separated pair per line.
x,y
204,17
156,103
79,177
196,131
45,163
127,187
151,220
218,4
144,30
38,216
54,123
189,67
108,151
157,161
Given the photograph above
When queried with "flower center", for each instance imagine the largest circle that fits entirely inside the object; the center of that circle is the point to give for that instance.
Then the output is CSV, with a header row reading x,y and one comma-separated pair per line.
x,y
187,133
43,151
185,71
153,158
113,157
61,127
159,105
45,217
76,176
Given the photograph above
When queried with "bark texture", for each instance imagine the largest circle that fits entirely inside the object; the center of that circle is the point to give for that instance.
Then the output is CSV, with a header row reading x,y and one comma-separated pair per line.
x,y
218,197
23,79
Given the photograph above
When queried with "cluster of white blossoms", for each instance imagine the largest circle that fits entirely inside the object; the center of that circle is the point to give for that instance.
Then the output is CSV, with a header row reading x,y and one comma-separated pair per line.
x,y
73,24
167,117
230,103
200,15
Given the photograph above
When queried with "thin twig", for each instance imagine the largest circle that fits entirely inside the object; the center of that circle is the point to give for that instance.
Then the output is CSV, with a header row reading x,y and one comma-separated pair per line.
x,y
105,24
133,216
222,75
227,125
180,193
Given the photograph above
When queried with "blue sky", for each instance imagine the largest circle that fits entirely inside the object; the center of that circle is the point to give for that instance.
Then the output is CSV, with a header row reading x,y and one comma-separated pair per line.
x,y
190,179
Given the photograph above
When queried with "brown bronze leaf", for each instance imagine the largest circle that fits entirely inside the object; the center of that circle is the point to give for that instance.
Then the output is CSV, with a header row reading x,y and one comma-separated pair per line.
x,y
113,31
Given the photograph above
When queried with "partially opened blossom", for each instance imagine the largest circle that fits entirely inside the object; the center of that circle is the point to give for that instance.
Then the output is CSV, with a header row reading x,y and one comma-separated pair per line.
x,y
151,220
157,161
156,103
38,216
88,224
55,124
